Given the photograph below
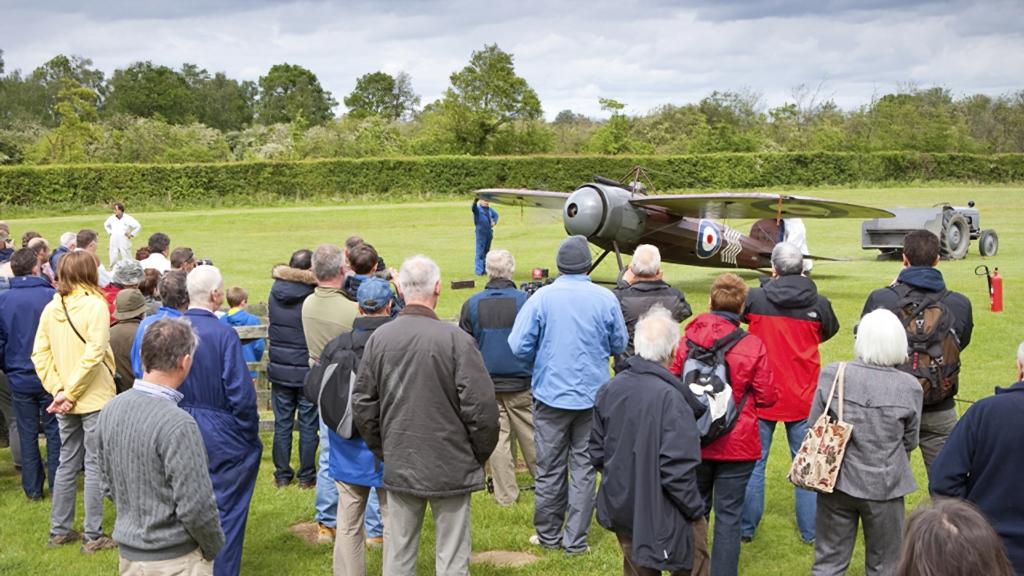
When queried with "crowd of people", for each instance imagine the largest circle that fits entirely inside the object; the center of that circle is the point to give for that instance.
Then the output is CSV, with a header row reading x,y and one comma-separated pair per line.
x,y
138,377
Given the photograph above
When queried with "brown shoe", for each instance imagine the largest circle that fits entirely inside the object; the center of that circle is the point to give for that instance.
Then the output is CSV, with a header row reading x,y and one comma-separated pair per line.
x,y
325,534
62,539
97,544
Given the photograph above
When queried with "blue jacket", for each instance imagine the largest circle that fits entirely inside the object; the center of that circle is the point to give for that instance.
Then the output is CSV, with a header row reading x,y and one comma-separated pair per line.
x,y
55,258
484,219
568,330
163,312
489,316
253,351
221,397
288,360
981,462
20,309
351,460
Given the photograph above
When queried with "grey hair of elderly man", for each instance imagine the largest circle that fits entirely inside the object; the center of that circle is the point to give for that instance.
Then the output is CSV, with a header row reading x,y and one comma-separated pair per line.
x,y
657,336
787,260
419,281
327,265
646,261
205,288
500,265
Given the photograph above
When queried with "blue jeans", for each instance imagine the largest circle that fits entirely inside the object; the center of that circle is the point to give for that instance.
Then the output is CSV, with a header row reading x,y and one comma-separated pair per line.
x,y
29,409
723,486
372,522
286,400
326,491
806,502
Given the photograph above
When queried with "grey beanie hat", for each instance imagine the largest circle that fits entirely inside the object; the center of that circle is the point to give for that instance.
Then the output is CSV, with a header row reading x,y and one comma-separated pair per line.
x,y
573,256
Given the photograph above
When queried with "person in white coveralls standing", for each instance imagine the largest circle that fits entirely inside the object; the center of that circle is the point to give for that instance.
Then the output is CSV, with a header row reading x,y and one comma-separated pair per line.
x,y
122,228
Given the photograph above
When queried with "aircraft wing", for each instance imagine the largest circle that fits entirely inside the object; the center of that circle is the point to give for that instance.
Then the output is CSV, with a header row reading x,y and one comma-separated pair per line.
x,y
523,197
727,205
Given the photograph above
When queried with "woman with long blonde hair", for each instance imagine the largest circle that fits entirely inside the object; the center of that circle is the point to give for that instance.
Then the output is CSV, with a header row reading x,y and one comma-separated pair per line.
x,y
75,364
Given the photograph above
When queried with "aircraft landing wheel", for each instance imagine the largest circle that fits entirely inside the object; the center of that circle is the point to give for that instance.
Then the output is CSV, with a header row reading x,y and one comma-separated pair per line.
x,y
955,237
988,243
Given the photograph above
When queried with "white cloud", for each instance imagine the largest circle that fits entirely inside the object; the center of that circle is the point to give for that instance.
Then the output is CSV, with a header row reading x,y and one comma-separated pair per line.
x,y
644,53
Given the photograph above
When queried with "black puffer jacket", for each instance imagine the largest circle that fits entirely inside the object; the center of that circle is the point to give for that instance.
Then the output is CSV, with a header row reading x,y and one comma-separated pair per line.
x,y
638,298
425,405
288,361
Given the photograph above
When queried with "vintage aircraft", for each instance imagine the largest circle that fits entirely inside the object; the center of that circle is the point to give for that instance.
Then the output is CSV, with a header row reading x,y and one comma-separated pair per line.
x,y
617,217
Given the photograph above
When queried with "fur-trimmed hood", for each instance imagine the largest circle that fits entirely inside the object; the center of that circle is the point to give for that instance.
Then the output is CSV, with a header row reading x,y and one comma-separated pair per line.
x,y
291,285
289,274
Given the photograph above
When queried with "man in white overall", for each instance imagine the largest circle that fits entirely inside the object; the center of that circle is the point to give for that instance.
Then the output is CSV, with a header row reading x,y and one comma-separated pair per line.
x,y
122,228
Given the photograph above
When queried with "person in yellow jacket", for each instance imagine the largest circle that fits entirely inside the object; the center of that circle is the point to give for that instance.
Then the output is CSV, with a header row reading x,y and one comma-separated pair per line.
x,y
74,361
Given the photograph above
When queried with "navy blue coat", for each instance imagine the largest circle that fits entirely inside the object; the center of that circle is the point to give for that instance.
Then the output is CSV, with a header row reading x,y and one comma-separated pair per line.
x,y
220,395
645,443
981,462
288,361
55,258
488,316
20,309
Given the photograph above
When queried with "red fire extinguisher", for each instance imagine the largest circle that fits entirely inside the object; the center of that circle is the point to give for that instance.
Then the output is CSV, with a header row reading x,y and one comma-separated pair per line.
x,y
995,286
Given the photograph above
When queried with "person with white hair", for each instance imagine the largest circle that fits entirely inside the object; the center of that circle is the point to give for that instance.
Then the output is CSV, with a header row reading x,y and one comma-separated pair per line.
x,y
220,395
640,288
424,403
646,445
792,319
982,463
883,404
488,316
67,244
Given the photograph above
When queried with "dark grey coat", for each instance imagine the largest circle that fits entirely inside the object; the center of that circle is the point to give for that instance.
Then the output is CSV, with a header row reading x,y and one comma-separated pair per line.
x,y
425,405
645,442
884,406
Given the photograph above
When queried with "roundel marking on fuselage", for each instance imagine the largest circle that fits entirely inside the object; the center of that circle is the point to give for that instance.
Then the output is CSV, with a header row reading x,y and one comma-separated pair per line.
x,y
709,239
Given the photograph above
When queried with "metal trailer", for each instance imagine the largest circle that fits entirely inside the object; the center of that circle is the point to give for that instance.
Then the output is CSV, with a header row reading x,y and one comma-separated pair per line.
x,y
955,226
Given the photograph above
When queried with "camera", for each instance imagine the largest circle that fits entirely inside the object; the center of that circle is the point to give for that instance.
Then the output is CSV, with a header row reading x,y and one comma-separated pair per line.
x,y
540,280
204,262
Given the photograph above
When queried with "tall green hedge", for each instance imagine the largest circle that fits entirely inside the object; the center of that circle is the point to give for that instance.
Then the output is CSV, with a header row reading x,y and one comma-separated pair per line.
x,y
184,185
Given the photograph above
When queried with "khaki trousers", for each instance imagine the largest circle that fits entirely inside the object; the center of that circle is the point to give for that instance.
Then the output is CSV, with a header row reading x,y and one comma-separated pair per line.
x,y
350,538
515,418
191,564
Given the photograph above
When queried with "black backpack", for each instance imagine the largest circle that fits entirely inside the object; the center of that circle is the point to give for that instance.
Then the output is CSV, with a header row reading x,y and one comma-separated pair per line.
x,y
708,387
329,384
933,349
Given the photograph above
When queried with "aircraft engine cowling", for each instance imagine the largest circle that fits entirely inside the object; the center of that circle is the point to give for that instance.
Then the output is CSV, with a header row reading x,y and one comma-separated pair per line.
x,y
604,215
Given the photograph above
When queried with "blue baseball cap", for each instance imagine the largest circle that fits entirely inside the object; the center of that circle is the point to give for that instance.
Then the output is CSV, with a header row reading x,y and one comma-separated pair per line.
x,y
374,294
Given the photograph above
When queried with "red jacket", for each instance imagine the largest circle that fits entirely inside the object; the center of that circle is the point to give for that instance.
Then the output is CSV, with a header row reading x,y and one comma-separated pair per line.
x,y
792,319
110,293
748,370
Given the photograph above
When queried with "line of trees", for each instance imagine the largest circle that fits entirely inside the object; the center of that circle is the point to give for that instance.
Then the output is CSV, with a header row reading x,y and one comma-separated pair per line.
x,y
66,111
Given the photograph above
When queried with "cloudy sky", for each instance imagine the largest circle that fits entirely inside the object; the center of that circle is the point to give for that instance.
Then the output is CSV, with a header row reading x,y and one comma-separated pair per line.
x,y
641,52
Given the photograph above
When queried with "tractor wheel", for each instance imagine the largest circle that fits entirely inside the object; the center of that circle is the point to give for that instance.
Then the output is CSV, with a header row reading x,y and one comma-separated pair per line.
x,y
955,237
988,243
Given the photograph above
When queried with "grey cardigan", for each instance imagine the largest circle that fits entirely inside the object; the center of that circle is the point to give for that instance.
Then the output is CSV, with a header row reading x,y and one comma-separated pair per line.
x,y
884,406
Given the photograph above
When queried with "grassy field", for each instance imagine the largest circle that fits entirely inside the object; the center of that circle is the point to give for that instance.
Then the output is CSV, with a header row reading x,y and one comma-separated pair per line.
x,y
246,243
